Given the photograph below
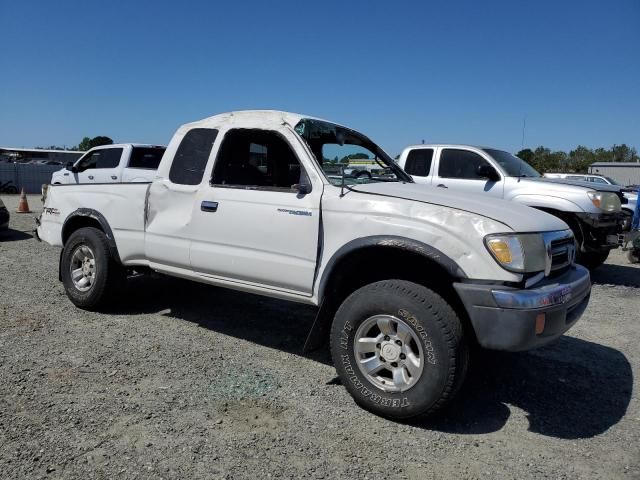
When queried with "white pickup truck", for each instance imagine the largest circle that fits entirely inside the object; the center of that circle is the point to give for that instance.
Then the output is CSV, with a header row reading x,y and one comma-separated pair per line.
x,y
117,163
593,211
405,278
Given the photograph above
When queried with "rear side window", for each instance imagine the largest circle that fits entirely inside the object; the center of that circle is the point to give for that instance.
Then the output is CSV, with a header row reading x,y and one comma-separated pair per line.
x,y
191,157
146,158
460,164
104,158
419,162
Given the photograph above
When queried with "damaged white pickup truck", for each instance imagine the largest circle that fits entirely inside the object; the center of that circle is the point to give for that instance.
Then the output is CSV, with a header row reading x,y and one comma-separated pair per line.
x,y
405,278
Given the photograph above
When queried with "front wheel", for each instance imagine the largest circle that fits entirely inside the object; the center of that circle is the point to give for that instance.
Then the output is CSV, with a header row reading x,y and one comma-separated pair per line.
x,y
90,275
399,349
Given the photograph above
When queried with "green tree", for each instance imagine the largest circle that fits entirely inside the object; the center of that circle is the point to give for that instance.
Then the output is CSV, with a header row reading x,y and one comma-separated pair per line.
x,y
89,143
526,155
83,146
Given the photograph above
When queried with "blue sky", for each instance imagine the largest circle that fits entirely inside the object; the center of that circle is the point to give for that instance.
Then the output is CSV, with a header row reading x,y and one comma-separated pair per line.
x,y
449,71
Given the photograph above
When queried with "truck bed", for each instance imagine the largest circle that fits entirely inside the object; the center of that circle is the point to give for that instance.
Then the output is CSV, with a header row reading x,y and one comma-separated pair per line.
x,y
121,204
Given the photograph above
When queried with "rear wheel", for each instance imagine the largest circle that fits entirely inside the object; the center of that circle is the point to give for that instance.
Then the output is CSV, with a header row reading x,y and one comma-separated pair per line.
x,y
399,349
90,274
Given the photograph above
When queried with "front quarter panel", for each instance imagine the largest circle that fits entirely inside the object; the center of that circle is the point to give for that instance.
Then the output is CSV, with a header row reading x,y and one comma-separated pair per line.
x,y
457,234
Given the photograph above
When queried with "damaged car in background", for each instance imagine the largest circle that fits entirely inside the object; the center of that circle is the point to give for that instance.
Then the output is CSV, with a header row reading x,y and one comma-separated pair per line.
x,y
405,279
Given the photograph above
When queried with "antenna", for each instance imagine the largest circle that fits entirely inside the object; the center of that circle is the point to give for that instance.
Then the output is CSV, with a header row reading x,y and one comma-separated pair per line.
x,y
524,125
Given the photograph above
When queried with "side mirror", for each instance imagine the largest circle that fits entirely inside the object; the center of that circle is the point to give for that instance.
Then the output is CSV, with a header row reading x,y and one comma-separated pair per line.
x,y
487,171
302,188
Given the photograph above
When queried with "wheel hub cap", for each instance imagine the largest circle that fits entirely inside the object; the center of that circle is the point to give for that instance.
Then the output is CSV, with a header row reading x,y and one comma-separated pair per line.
x,y
389,353
83,268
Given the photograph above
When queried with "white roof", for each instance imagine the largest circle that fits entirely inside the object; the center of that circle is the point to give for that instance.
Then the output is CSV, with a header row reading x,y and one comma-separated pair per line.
x,y
616,164
116,145
250,118
448,145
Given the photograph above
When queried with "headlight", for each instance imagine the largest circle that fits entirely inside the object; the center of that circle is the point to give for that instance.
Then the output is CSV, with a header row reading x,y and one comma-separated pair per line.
x,y
606,201
520,253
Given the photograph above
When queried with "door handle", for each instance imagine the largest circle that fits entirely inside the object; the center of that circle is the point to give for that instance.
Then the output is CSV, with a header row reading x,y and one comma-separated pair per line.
x,y
207,206
442,185
90,177
113,177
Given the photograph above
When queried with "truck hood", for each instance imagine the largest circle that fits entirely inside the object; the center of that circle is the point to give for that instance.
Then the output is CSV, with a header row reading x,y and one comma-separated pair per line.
x,y
515,216
600,187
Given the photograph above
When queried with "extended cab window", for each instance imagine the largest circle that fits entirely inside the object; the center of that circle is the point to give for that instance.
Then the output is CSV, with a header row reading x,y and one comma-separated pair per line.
x,y
419,162
147,158
456,163
105,158
251,158
191,156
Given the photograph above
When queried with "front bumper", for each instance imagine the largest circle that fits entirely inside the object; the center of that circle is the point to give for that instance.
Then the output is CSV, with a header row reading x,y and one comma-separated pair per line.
x,y
4,218
505,318
600,230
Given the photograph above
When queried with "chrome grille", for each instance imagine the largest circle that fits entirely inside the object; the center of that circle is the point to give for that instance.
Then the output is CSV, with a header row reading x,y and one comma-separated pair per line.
x,y
560,250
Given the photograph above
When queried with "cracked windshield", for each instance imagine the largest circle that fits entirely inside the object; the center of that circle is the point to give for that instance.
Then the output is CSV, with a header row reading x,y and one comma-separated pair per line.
x,y
347,156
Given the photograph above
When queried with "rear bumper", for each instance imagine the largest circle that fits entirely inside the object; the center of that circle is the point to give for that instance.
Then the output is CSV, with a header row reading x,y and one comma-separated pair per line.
x,y
4,218
505,318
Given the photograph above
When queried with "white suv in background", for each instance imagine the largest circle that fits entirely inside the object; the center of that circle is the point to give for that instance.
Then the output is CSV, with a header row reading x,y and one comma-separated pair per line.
x,y
118,163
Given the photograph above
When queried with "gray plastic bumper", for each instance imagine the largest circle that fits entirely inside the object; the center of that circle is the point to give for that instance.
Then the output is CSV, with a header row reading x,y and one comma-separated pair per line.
x,y
505,318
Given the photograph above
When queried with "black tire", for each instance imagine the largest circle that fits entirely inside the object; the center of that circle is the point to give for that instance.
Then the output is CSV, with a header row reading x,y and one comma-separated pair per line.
x,y
592,260
436,326
109,274
12,190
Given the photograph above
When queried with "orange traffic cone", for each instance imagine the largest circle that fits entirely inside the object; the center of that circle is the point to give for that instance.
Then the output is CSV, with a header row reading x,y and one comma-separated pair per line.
x,y
23,205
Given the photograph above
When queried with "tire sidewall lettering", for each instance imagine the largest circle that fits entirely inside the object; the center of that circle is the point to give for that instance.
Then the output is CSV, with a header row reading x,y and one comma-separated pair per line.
x,y
422,333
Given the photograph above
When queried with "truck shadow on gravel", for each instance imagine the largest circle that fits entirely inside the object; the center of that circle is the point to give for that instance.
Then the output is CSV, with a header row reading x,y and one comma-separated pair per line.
x,y
571,389
611,274
265,321
12,235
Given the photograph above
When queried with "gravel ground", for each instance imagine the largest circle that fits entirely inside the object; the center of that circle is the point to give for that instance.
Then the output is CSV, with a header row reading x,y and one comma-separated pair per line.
x,y
182,380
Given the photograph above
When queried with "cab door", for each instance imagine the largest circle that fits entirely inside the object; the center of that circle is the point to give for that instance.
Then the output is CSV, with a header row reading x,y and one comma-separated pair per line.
x,y
253,223
171,200
101,165
457,170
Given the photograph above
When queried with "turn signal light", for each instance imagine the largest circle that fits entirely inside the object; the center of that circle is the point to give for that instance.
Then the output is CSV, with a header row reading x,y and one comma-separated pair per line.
x,y
501,250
